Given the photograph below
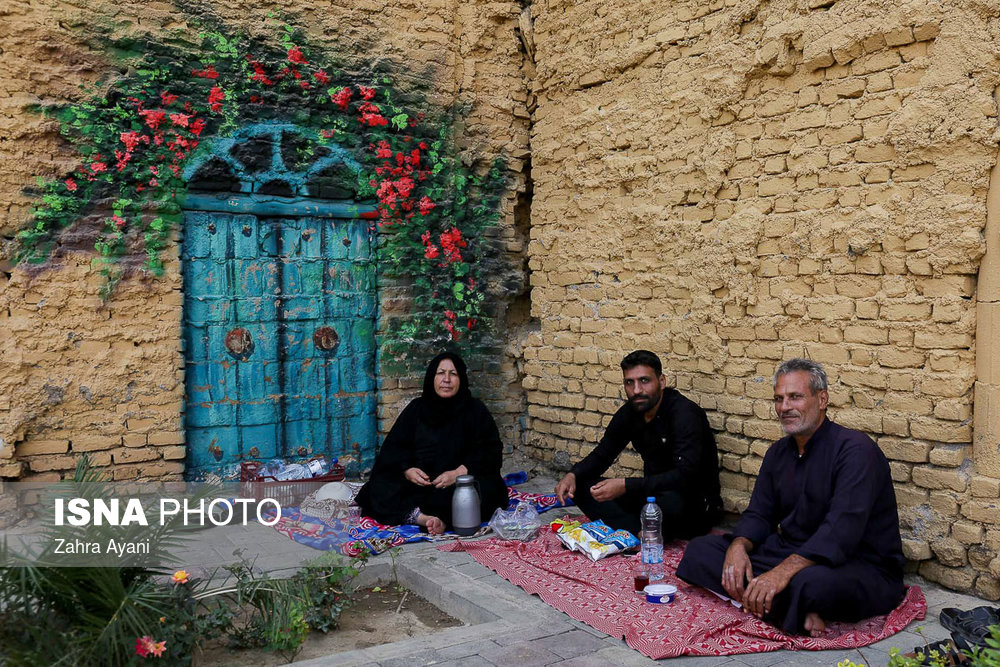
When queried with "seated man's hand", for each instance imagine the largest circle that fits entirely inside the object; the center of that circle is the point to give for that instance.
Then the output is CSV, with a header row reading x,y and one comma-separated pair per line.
x,y
417,476
608,489
566,487
736,569
761,591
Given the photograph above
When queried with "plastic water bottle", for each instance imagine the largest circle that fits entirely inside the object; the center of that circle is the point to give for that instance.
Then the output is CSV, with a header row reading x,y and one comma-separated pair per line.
x,y
318,466
273,468
651,520
293,471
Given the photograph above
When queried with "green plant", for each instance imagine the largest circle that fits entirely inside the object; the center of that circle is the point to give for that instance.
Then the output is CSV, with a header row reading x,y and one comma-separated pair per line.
x,y
277,614
978,657
79,615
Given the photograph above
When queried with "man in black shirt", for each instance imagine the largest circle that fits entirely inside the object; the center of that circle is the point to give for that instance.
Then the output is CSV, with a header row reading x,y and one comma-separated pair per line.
x,y
680,460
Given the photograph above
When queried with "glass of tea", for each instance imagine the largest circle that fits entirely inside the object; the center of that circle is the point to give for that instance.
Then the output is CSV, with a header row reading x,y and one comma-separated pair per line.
x,y
640,576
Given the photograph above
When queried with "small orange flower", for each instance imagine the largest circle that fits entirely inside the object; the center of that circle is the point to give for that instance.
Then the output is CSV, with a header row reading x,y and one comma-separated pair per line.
x,y
180,577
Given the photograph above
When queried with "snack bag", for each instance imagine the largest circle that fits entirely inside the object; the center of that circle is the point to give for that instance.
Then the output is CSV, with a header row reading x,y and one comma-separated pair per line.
x,y
606,535
595,539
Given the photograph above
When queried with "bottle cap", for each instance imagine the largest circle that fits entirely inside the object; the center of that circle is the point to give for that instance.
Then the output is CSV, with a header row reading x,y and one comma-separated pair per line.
x,y
650,499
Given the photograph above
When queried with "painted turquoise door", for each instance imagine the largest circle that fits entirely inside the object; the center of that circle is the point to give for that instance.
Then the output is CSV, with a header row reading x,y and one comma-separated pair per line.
x,y
279,323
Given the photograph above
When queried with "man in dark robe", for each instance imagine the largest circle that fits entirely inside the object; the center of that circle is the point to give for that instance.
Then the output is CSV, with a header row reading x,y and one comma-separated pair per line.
x,y
820,539
680,460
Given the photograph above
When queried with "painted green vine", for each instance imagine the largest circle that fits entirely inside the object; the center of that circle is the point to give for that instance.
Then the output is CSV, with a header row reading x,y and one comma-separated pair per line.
x,y
135,139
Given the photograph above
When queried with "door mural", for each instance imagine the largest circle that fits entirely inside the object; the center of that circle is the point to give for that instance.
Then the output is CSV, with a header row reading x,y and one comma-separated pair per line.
x,y
279,305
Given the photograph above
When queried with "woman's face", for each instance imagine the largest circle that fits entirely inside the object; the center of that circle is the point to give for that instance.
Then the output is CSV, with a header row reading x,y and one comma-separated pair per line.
x,y
446,379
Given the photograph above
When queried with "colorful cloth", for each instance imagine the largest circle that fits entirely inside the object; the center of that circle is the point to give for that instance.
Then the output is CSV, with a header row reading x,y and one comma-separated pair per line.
x,y
601,594
370,536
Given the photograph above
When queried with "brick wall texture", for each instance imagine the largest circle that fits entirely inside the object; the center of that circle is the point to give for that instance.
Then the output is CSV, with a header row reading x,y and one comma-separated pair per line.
x,y
728,183
734,183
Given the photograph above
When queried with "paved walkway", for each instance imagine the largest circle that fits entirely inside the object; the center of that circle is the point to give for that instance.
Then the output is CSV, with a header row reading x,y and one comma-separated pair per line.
x,y
505,625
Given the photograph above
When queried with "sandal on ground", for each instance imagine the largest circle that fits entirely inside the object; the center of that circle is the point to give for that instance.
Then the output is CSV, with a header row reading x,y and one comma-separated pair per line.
x,y
945,648
972,626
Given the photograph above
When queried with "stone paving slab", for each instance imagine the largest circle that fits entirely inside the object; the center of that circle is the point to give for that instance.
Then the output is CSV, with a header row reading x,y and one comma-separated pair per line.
x,y
505,625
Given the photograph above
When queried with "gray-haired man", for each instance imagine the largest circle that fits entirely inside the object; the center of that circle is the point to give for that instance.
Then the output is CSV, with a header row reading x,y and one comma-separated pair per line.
x,y
820,538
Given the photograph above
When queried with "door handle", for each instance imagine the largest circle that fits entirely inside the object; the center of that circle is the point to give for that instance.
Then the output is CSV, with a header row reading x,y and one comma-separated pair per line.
x,y
326,339
239,344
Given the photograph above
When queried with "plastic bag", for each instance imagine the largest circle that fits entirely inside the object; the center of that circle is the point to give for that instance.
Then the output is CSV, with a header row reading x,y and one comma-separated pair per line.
x,y
521,523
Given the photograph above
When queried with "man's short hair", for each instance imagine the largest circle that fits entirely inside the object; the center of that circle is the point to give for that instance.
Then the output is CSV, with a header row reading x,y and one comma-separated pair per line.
x,y
642,358
817,376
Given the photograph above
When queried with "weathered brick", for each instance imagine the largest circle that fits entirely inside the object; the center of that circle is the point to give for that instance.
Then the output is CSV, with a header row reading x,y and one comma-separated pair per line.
x,y
984,511
93,443
985,487
35,447
940,478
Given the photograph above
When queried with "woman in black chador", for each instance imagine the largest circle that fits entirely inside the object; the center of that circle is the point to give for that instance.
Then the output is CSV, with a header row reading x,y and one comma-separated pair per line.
x,y
440,435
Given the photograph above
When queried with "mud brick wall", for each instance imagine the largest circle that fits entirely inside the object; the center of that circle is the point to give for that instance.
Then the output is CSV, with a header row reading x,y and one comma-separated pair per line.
x,y
80,375
731,184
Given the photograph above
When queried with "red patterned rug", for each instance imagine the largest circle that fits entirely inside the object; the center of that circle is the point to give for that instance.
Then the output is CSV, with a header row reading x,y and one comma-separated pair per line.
x,y
601,595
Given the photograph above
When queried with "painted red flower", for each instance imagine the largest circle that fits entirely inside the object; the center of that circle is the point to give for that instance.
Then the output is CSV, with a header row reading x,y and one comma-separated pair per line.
x,y
258,72
303,84
167,99
119,222
366,93
180,119
404,186
322,77
207,73
215,98
425,205
430,250
471,323
197,126
342,97
98,167
371,115
70,185
383,151
451,241
295,56
449,324
130,139
386,193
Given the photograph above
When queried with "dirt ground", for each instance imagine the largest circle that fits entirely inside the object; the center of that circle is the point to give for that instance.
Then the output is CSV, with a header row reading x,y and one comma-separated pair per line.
x,y
371,620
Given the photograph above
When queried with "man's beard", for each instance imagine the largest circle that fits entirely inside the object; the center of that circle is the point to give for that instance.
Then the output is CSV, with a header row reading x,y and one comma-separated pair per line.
x,y
645,403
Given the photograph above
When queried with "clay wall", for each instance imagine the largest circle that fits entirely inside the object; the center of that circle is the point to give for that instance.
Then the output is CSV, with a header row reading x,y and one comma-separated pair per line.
x,y
731,184
107,378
